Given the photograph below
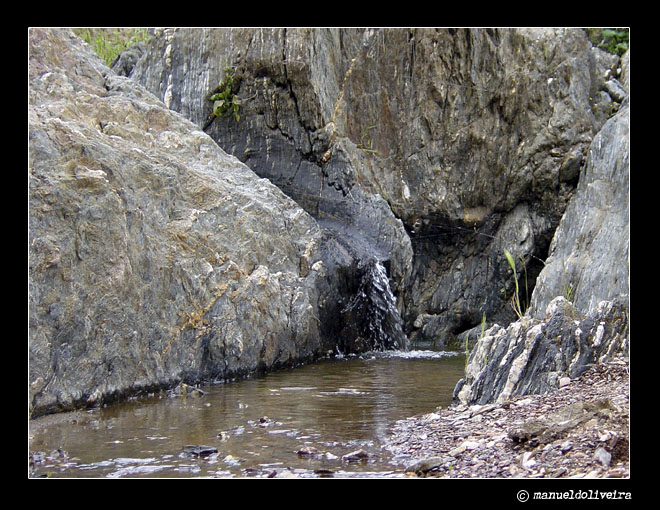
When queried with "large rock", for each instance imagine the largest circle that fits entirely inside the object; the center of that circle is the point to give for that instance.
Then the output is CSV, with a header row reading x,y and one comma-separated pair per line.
x,y
154,257
288,83
473,138
590,253
532,356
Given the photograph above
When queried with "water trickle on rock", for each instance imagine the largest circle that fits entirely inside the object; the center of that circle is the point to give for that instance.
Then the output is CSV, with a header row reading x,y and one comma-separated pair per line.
x,y
373,308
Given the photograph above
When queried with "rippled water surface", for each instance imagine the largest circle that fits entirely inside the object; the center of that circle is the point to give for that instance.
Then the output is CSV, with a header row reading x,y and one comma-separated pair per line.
x,y
259,427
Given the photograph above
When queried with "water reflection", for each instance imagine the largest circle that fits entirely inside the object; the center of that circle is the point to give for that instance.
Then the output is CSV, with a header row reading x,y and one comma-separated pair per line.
x,y
300,421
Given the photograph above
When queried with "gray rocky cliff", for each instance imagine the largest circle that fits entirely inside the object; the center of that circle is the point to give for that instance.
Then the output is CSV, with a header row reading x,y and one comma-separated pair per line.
x,y
590,252
589,264
154,256
456,144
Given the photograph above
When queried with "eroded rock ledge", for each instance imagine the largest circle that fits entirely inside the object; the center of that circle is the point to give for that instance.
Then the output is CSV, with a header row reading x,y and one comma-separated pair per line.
x,y
536,356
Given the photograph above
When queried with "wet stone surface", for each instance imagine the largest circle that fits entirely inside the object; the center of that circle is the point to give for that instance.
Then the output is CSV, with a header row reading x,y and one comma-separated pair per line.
x,y
579,431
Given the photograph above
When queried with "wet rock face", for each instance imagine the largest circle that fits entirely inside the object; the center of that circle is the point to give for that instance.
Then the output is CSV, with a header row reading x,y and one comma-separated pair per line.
x,y
367,317
154,256
474,139
359,310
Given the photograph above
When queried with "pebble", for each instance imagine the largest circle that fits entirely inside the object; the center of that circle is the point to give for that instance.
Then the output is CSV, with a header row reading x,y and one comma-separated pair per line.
x,y
199,450
603,456
355,456
307,450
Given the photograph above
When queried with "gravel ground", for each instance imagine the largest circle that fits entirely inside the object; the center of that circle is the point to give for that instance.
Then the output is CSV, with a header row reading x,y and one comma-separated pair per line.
x,y
581,430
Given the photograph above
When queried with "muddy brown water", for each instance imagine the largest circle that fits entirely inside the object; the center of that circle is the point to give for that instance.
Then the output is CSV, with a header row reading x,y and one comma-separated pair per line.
x,y
260,427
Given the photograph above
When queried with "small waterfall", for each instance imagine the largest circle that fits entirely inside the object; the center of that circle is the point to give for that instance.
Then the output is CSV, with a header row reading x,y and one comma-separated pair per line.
x,y
373,309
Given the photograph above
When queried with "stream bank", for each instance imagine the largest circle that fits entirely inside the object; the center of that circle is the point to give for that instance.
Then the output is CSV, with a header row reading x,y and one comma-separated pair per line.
x,y
581,430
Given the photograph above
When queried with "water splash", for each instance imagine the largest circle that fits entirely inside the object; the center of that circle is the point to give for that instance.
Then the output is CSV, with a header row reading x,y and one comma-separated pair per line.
x,y
410,354
373,308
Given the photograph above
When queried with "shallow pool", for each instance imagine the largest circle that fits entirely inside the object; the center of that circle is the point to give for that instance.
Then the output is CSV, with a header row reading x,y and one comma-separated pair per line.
x,y
303,422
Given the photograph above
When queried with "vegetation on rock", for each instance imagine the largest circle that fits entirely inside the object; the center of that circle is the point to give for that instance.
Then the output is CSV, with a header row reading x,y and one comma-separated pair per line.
x,y
108,43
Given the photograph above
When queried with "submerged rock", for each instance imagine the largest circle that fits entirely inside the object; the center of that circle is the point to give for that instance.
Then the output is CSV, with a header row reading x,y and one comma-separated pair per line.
x,y
355,456
199,450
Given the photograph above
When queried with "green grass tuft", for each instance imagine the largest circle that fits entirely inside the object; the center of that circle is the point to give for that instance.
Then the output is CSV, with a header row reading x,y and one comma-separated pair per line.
x,y
515,301
108,43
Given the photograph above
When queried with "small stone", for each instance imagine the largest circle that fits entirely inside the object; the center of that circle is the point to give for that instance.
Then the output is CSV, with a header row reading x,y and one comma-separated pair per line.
x,y
355,456
199,450
286,474
471,445
527,461
307,450
564,381
524,402
425,465
602,456
561,471
231,460
457,451
265,421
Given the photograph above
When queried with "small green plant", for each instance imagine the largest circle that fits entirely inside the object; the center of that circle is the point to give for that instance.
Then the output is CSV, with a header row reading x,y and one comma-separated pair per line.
x,y
612,40
366,144
467,353
483,331
223,97
108,43
515,300
569,292
615,40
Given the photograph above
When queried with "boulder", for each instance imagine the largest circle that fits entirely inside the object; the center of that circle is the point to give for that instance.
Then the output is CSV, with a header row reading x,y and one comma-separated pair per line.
x,y
154,256
590,252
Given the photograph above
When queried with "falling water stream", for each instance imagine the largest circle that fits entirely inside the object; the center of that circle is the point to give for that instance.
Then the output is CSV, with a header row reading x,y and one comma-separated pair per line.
x,y
295,422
